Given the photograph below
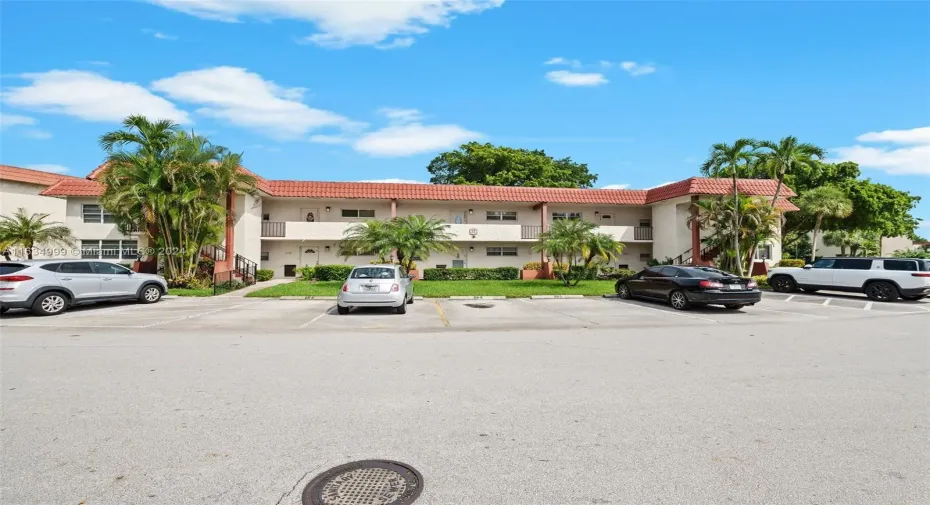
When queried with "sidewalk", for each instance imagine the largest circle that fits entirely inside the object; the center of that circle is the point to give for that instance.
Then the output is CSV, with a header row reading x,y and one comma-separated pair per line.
x,y
239,293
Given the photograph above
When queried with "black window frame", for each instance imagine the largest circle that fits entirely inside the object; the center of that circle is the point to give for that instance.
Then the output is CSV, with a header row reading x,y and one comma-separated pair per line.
x,y
500,215
915,264
845,263
502,252
831,260
358,213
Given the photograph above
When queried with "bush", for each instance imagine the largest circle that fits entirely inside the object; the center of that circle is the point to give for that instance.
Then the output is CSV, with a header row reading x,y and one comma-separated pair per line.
x,y
615,273
532,265
332,272
230,285
192,282
306,272
264,274
472,274
797,263
761,280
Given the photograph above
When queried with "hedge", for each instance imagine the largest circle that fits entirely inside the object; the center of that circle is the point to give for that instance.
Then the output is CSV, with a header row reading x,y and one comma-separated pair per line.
x,y
761,280
535,265
472,274
306,272
332,272
797,263
264,274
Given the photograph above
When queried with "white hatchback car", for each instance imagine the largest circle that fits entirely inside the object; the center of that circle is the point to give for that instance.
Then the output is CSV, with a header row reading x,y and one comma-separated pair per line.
x,y
881,279
376,286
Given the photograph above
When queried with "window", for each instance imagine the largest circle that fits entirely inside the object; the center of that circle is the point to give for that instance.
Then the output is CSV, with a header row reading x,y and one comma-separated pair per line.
x,y
645,223
824,263
109,249
645,256
764,252
852,264
266,217
9,268
502,251
102,267
501,215
372,273
76,267
416,258
565,215
906,265
606,216
51,267
93,213
669,271
440,267
264,256
627,267
357,213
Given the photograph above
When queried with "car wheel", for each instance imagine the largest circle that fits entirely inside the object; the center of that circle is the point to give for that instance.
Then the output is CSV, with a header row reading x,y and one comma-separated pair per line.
x,y
881,291
402,309
733,306
783,284
150,294
678,300
50,304
623,291
342,310
913,298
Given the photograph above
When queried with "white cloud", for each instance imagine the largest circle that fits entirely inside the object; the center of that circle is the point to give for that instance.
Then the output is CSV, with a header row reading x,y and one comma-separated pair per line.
x,y
606,64
906,152
246,99
413,138
566,78
666,183
401,116
342,24
331,139
637,69
35,133
90,96
159,35
9,120
396,181
98,63
615,186
558,60
57,169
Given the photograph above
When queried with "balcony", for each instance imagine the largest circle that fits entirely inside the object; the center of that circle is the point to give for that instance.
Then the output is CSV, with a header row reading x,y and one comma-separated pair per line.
x,y
274,229
530,231
642,233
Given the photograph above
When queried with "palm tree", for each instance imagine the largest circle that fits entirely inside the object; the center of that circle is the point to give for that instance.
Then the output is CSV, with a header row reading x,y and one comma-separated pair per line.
x,y
759,223
408,237
228,180
788,156
369,237
567,240
601,247
28,231
825,201
728,160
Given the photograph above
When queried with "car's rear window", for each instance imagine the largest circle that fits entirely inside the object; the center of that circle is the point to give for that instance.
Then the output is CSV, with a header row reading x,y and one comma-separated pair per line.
x,y
905,265
372,273
9,268
705,272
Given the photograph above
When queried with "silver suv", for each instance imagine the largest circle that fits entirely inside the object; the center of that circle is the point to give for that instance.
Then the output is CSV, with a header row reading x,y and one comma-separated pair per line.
x,y
49,287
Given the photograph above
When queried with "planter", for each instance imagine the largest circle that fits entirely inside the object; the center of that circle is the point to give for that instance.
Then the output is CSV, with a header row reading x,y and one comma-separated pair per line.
x,y
415,274
529,275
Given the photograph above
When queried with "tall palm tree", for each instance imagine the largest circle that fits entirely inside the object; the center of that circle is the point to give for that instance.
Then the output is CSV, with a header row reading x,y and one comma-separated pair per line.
x,y
759,223
369,237
29,230
228,179
418,236
566,240
601,247
825,201
788,156
728,160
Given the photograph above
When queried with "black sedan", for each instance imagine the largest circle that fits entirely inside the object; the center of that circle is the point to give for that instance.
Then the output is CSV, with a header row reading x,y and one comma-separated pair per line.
x,y
686,286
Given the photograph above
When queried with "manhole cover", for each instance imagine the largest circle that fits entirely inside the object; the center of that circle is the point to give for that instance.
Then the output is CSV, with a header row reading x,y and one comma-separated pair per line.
x,y
371,482
479,305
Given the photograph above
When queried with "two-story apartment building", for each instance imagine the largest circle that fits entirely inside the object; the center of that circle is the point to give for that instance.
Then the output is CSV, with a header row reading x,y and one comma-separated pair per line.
x,y
287,224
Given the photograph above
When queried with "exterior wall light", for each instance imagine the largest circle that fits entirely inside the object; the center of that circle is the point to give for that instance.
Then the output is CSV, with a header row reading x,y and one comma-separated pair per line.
x,y
326,248
327,209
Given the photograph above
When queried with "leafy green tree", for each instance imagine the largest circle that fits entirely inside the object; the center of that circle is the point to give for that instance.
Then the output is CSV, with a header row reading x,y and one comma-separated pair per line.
x,y
758,223
788,156
601,248
407,237
731,160
30,230
825,201
574,244
487,164
855,240
878,208
912,253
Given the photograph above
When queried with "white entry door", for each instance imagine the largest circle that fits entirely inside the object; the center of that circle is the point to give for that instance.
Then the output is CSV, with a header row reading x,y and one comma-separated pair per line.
x,y
458,217
310,215
309,255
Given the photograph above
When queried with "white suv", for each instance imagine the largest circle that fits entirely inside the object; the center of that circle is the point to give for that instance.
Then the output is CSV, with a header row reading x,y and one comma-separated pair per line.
x,y
881,279
49,287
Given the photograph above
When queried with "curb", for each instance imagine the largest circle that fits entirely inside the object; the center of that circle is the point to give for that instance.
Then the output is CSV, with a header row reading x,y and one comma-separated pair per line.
x,y
610,295
555,297
330,298
477,297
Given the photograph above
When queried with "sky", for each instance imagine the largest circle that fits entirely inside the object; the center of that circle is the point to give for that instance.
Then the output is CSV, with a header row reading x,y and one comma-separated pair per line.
x,y
374,90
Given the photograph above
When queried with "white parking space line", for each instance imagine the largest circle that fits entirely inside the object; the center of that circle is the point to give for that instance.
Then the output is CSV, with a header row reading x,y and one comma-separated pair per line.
x,y
308,323
669,312
827,302
792,313
922,308
200,314
67,325
868,306
790,298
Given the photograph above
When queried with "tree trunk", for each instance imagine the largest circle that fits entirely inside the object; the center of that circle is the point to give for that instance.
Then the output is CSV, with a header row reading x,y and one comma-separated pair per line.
x,y
6,255
29,250
736,229
781,179
814,238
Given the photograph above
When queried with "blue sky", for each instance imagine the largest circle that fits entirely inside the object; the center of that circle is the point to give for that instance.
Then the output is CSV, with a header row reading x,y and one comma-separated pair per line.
x,y
355,91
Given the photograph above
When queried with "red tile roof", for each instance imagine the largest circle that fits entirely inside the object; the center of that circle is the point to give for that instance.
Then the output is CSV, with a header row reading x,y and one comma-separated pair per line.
x,y
785,205
385,191
27,175
260,183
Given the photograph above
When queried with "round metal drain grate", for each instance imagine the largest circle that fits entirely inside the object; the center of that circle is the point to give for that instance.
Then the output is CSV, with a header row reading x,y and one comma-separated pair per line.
x,y
479,305
370,482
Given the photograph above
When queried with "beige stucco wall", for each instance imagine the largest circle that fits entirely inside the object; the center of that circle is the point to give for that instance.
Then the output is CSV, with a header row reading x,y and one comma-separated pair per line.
x,y
15,195
248,213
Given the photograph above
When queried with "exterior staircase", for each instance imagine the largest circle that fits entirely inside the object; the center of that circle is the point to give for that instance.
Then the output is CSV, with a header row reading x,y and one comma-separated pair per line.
x,y
707,256
243,268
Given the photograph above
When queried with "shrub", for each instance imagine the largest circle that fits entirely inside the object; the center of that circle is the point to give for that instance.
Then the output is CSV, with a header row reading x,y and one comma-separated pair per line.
x,y
332,272
306,272
264,274
615,273
761,280
797,263
191,282
472,274
231,285
532,265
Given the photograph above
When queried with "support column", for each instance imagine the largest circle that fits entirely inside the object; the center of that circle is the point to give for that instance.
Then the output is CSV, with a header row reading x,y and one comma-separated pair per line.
x,y
230,231
544,226
393,208
695,235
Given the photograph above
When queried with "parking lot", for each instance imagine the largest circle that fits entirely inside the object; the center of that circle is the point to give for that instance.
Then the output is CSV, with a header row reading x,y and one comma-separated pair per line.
x,y
431,315
799,399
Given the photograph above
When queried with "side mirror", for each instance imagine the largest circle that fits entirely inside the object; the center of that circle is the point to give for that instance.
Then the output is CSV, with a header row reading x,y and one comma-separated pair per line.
x,y
808,267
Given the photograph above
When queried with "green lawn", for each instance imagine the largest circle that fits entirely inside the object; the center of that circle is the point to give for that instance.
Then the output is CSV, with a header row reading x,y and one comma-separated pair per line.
x,y
190,292
444,289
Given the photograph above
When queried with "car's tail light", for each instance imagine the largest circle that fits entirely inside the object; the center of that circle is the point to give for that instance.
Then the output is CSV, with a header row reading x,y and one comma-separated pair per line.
x,y
15,278
921,274
751,285
710,284
395,288
345,288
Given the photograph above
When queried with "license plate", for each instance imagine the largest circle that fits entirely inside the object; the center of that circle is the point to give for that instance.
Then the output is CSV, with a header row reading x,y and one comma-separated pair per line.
x,y
735,286
369,288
